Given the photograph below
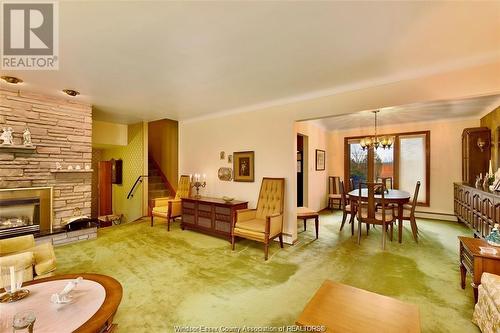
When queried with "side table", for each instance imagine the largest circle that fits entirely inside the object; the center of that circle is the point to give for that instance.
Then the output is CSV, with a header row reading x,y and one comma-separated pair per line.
x,y
474,262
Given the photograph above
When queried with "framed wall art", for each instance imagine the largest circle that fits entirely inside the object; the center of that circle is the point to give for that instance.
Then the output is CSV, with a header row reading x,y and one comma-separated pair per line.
x,y
243,166
320,160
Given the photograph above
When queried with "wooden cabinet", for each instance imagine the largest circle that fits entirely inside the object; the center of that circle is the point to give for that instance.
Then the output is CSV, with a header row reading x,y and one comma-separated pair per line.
x,y
478,209
212,216
475,160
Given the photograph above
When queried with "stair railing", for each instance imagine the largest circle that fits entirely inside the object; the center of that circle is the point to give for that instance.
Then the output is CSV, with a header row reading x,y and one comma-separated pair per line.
x,y
139,179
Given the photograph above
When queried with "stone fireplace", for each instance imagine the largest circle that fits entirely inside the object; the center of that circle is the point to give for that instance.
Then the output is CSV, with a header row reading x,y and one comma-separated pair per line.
x,y
61,131
25,210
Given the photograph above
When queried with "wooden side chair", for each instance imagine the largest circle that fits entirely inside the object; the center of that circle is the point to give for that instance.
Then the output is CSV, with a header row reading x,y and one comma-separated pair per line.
x,y
334,196
367,211
168,207
387,181
347,208
264,223
409,213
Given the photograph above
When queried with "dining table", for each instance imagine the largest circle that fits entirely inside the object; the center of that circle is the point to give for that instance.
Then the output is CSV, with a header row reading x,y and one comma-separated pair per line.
x,y
391,196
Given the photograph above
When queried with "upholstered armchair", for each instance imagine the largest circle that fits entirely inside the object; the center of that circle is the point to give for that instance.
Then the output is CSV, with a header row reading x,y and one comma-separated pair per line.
x,y
264,223
169,207
38,261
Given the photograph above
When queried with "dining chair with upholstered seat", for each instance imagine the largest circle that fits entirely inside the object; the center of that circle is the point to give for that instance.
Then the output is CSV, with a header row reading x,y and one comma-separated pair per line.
x,y
367,210
168,207
264,223
347,208
334,196
409,213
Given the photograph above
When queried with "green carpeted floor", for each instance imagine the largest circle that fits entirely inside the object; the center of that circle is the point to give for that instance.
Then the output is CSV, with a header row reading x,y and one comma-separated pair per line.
x,y
187,278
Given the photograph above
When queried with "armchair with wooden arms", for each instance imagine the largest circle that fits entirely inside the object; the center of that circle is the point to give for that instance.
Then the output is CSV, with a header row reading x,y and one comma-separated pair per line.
x,y
264,223
169,207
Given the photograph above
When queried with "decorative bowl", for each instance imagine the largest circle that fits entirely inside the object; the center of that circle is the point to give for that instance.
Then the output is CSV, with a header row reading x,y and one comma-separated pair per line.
x,y
493,243
227,199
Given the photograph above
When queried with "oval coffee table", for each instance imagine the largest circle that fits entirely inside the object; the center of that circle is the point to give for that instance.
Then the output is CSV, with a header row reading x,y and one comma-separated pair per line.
x,y
94,304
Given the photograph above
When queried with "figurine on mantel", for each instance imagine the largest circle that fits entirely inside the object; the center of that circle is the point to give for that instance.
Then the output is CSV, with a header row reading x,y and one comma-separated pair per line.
x,y
479,181
27,138
494,237
6,136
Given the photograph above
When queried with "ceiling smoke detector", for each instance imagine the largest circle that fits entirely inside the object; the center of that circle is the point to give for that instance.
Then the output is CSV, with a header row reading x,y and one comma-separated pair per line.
x,y
11,79
71,92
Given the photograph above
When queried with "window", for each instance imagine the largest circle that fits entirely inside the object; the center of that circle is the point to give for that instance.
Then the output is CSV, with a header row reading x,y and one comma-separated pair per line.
x,y
413,164
406,162
358,163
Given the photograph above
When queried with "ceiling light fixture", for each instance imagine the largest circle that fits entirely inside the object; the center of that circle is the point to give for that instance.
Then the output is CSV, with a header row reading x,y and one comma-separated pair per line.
x,y
11,79
71,92
376,141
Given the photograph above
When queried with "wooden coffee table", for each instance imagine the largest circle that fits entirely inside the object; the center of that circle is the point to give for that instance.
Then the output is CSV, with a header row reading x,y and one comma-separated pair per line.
x,y
304,213
342,308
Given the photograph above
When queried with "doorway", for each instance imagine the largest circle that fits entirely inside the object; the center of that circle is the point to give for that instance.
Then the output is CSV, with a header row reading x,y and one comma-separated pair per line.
x,y
302,167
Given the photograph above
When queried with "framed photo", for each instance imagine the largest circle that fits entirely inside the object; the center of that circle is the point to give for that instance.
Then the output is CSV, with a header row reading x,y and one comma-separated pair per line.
x,y
243,166
320,160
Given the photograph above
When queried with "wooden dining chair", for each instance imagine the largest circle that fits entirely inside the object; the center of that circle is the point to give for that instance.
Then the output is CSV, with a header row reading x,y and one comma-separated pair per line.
x,y
409,213
368,214
387,181
347,208
334,196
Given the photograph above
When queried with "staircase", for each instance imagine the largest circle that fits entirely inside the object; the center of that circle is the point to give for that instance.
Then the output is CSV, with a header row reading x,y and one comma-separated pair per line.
x,y
157,188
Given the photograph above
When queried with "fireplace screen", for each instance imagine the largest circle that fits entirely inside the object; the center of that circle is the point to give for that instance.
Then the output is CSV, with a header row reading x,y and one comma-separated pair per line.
x,y
21,214
25,211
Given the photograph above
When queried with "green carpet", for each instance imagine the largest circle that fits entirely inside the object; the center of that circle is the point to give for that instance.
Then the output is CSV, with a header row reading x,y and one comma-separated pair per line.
x,y
186,278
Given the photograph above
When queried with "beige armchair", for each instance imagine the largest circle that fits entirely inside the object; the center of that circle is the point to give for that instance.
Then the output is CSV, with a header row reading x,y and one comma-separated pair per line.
x,y
266,222
38,261
169,207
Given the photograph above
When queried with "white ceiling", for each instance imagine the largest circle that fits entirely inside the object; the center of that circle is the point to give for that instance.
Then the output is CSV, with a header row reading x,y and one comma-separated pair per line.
x,y
419,112
150,60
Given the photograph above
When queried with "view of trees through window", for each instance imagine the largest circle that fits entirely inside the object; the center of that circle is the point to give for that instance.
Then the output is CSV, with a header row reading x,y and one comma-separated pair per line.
x,y
411,161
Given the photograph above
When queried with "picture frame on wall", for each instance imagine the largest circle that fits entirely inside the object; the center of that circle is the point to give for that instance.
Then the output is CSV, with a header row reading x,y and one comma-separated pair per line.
x,y
244,166
320,160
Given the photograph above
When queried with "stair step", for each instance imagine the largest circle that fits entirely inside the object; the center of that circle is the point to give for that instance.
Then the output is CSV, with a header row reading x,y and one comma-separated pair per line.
x,y
153,172
156,186
158,193
154,179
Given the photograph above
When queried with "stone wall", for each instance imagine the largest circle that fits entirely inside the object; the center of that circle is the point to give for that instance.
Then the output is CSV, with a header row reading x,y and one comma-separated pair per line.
x,y
61,130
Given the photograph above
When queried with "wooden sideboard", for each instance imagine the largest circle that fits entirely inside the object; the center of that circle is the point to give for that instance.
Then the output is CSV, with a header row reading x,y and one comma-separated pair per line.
x,y
211,216
477,208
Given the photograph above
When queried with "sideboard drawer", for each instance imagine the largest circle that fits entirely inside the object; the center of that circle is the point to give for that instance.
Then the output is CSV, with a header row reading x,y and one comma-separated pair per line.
x,y
186,218
223,226
205,208
204,222
222,210
187,204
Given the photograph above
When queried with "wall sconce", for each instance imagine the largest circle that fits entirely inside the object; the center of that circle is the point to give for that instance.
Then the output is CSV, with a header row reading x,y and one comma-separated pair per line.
x,y
482,144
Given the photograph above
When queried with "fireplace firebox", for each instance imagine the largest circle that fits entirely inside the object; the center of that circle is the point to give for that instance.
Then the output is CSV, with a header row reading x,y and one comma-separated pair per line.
x,y
25,210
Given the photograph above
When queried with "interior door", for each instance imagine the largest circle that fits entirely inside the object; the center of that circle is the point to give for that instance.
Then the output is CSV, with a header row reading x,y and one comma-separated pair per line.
x,y
105,188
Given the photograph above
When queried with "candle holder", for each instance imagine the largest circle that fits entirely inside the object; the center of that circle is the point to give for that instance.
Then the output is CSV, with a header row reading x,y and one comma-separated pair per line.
x,y
197,184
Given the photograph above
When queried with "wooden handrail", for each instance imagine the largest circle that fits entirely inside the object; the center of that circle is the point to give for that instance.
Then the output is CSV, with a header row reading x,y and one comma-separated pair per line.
x,y
138,180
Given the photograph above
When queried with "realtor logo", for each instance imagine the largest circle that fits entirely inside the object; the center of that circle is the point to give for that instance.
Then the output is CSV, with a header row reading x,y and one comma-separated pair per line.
x,y
30,34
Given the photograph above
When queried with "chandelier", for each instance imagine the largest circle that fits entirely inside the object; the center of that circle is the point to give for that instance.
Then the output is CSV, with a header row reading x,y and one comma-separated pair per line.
x,y
376,141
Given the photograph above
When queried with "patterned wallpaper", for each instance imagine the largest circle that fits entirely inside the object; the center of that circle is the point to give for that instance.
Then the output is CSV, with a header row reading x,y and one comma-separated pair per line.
x,y
133,167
